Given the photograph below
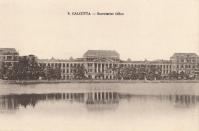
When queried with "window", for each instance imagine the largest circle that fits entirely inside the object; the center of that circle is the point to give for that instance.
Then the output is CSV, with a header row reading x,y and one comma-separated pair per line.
x,y
89,64
9,57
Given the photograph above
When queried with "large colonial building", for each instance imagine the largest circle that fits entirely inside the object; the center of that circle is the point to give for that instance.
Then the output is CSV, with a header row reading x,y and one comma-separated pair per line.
x,y
104,64
96,62
100,64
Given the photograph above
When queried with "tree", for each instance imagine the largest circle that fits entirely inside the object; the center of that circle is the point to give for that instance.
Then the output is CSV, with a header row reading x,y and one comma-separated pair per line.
x,y
52,73
183,75
79,72
124,72
26,68
2,70
7,71
129,73
153,73
173,75
142,73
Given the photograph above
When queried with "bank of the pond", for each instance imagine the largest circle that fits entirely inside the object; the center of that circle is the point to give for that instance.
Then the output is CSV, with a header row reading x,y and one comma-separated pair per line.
x,y
94,81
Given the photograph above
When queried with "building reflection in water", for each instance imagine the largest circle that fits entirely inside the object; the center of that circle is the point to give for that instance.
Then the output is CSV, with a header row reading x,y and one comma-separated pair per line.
x,y
94,100
102,100
91,99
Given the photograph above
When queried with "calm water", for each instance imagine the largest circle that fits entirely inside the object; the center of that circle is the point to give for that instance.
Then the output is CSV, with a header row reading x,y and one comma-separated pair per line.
x,y
100,107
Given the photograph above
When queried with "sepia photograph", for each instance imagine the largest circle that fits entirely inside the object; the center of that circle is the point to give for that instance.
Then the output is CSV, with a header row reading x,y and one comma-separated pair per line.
x,y
99,65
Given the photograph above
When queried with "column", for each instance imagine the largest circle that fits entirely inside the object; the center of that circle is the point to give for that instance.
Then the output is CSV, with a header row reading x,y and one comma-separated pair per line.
x,y
97,67
93,96
70,96
100,67
93,67
108,71
69,68
97,96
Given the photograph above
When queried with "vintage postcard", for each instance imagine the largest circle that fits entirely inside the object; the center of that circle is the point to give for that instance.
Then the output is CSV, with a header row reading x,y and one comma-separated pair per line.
x,y
99,65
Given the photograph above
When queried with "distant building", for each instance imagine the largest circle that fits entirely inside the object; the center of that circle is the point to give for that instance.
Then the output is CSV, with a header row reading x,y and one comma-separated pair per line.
x,y
8,56
185,62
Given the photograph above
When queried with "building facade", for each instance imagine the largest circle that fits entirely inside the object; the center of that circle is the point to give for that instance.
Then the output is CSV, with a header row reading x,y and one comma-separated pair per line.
x,y
101,64
185,62
96,62
105,64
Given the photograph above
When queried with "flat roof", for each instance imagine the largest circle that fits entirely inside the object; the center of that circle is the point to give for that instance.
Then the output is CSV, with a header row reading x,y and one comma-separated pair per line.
x,y
101,53
7,51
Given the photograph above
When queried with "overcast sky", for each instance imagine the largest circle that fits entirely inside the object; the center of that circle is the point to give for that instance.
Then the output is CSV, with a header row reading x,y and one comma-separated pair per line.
x,y
151,29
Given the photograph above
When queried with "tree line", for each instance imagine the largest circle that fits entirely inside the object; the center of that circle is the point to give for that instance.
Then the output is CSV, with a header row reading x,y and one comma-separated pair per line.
x,y
132,73
27,68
